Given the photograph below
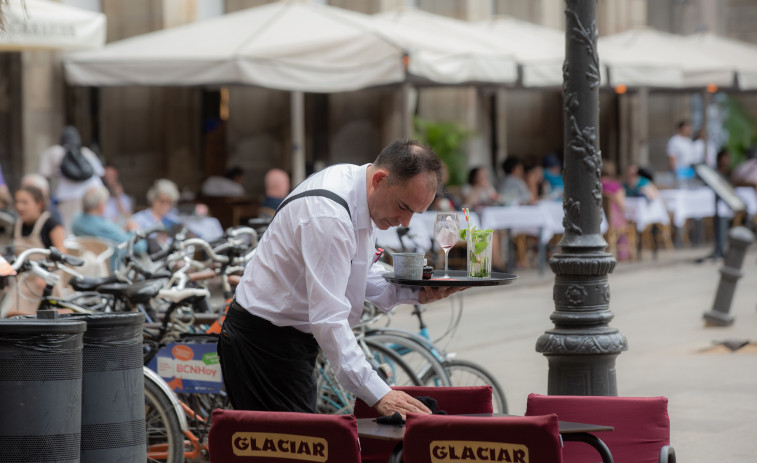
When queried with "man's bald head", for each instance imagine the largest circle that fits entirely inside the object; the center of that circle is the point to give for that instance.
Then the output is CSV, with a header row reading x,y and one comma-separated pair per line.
x,y
276,183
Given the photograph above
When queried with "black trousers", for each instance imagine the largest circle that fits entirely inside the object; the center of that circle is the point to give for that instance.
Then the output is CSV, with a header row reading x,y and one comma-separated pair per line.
x,y
266,367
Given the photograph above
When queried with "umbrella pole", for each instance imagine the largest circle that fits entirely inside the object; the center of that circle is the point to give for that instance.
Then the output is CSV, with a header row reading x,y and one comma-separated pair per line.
x,y
298,137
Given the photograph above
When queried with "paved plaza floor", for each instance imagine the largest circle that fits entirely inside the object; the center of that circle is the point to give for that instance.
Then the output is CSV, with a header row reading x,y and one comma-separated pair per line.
x,y
658,306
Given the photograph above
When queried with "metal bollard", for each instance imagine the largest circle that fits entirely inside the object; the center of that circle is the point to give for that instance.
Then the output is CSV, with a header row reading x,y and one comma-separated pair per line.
x,y
739,239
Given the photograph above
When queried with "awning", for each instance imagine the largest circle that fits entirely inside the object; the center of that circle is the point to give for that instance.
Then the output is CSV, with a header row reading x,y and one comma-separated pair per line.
x,y
39,24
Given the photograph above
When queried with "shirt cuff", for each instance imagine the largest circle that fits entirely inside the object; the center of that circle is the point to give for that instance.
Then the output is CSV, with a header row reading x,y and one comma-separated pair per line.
x,y
373,390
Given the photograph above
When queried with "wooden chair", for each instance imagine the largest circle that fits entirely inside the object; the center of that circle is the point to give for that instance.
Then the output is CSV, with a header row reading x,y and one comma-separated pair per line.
x,y
96,253
238,436
435,438
453,400
642,425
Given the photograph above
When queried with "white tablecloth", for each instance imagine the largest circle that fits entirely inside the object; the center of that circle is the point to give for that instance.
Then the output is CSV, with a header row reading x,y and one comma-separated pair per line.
x,y
529,220
694,203
698,203
644,212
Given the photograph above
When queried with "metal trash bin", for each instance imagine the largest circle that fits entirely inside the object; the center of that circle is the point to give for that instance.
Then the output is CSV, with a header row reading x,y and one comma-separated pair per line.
x,y
40,389
113,401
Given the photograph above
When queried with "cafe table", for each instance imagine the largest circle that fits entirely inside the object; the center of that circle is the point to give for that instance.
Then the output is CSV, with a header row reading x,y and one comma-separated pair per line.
x,y
569,431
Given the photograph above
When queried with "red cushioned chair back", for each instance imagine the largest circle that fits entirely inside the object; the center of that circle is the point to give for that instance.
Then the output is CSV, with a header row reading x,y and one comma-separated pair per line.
x,y
439,438
453,400
642,425
283,437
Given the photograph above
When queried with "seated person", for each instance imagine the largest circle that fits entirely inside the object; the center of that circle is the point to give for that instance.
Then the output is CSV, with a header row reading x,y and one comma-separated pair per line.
x,y
444,201
479,192
41,183
92,222
513,188
34,228
119,205
638,186
5,195
276,189
745,174
535,180
614,194
162,197
230,184
553,175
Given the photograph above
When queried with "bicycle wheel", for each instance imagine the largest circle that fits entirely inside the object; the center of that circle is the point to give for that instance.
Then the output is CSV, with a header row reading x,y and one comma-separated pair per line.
x,y
466,373
418,355
391,367
165,442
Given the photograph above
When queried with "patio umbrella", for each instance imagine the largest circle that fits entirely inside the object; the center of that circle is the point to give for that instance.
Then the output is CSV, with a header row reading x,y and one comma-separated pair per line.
x,y
741,56
445,50
539,50
645,57
44,25
288,45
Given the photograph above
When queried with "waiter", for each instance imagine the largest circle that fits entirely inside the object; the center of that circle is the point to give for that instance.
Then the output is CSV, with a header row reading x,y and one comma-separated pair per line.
x,y
305,286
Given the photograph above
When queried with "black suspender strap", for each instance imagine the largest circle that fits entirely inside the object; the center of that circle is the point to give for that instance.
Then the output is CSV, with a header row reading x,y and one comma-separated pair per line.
x,y
317,192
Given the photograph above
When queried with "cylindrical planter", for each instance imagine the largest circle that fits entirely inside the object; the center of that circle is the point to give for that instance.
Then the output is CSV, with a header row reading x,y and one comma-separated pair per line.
x,y
40,390
113,403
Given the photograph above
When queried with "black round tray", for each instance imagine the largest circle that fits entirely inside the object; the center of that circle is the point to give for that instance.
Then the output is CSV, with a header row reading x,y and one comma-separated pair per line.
x,y
457,278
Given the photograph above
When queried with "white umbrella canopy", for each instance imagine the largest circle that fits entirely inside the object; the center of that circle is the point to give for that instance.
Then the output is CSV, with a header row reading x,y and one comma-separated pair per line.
x,y
288,45
741,56
45,25
646,57
447,50
540,50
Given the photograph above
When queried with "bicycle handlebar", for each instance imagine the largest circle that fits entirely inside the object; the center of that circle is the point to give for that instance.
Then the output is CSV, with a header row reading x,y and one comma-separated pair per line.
x,y
52,253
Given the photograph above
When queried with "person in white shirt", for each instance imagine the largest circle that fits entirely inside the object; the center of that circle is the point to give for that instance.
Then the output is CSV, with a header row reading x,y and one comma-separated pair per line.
x,y
306,284
68,192
681,152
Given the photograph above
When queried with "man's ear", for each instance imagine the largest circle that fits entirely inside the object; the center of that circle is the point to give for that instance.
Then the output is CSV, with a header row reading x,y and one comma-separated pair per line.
x,y
381,175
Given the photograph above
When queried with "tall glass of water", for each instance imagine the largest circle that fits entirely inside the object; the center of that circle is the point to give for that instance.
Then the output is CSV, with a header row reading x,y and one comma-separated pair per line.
x,y
447,233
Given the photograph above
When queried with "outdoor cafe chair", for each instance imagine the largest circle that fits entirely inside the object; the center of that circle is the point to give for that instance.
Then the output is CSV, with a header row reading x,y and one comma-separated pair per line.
x,y
453,400
433,438
250,436
642,425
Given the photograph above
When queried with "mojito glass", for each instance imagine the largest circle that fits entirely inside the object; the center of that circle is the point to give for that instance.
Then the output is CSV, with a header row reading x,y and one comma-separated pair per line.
x,y
480,253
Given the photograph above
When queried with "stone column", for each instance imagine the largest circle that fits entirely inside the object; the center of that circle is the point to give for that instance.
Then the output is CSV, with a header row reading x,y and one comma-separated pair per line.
x,y
581,349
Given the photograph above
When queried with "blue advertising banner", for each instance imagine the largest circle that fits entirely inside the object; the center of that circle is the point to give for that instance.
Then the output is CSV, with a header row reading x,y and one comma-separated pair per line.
x,y
189,368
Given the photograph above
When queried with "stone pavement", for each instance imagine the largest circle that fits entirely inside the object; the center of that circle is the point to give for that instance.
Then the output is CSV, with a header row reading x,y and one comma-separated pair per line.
x,y
658,306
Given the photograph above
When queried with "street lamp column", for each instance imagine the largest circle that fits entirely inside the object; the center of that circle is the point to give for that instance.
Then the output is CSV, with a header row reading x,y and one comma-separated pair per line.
x,y
582,347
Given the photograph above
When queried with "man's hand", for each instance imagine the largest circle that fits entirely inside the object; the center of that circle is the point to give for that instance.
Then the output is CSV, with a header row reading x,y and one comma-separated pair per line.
x,y
429,294
398,401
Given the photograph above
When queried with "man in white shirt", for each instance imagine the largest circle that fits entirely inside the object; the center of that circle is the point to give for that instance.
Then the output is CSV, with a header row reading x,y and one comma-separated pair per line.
x,y
306,284
681,152
69,193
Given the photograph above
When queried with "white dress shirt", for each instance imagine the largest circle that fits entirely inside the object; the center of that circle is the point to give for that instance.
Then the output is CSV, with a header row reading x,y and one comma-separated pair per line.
x,y
682,149
314,268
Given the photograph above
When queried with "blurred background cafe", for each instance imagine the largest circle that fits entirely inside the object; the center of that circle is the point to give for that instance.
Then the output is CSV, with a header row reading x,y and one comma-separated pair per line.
x,y
200,90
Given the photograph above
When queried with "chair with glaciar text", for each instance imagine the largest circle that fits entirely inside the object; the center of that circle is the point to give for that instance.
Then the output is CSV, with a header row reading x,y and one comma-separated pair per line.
x,y
238,436
642,425
434,438
453,400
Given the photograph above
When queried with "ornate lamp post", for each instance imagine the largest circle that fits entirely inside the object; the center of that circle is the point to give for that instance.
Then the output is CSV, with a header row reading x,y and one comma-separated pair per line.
x,y
582,347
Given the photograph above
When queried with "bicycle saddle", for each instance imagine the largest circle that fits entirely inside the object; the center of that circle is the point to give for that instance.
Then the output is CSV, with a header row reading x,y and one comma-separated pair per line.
x,y
91,283
136,293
